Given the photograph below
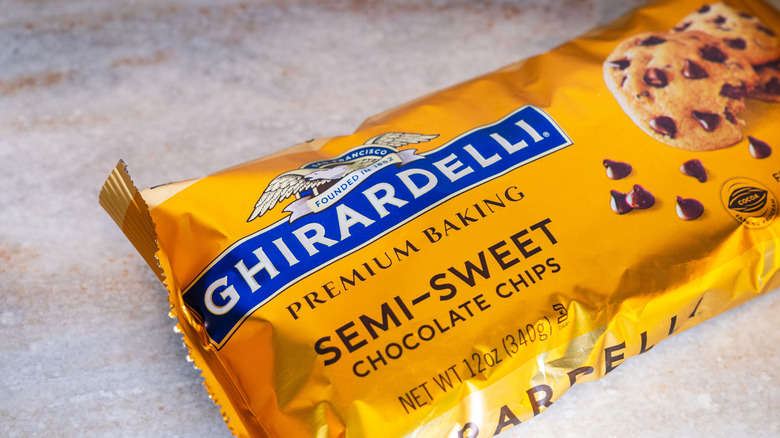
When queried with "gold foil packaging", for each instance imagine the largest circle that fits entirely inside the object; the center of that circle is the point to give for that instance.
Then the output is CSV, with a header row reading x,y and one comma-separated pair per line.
x,y
457,263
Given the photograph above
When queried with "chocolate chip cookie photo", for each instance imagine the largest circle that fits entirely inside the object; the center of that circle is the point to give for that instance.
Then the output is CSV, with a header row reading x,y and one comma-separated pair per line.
x,y
739,31
684,89
744,35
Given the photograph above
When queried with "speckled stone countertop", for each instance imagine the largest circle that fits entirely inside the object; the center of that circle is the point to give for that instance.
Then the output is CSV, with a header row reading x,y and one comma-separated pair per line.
x,y
180,89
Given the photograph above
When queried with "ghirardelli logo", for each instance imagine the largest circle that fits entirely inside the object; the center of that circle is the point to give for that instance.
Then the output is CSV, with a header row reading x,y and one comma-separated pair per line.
x,y
320,184
339,205
749,202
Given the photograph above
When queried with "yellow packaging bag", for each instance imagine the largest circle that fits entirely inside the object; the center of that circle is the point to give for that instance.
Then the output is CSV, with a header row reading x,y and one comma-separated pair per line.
x,y
459,262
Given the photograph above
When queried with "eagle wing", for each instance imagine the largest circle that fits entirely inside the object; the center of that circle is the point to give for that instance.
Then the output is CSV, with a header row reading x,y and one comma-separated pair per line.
x,y
296,181
398,139
281,188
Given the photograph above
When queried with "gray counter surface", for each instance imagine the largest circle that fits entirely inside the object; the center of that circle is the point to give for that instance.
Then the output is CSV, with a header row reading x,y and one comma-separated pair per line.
x,y
180,89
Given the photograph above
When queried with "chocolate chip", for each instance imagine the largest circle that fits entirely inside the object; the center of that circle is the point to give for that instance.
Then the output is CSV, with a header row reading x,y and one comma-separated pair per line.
x,y
764,29
691,70
618,202
617,169
720,19
640,198
773,86
759,149
681,27
652,41
744,15
733,92
664,125
621,64
713,54
774,65
655,77
708,121
688,209
736,43
695,169
703,9
730,117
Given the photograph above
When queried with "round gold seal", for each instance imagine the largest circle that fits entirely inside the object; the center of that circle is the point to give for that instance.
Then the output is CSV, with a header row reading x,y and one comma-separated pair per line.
x,y
749,202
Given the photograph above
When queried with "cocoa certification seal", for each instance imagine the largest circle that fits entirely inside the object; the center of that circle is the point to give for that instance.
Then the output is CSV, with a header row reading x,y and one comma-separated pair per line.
x,y
749,202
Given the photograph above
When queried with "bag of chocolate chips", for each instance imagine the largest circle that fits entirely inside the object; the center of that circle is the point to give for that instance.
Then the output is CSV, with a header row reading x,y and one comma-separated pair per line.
x,y
456,264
